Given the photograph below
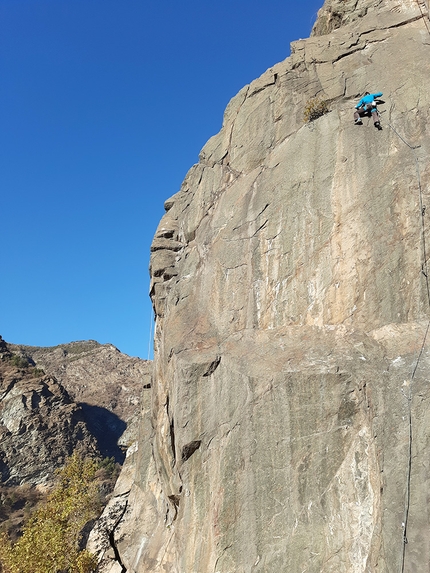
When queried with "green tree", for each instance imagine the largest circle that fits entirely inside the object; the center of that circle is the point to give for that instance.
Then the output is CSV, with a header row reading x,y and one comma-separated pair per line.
x,y
51,537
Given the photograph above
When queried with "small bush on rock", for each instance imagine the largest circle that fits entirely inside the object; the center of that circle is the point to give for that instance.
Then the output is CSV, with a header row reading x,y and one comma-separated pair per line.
x,y
19,361
315,108
37,372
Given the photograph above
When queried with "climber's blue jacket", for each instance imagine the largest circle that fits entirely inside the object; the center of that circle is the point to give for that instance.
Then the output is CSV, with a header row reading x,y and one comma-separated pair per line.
x,y
368,99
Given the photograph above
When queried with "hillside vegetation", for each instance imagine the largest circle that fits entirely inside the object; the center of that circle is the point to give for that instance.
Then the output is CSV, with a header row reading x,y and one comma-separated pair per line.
x,y
53,536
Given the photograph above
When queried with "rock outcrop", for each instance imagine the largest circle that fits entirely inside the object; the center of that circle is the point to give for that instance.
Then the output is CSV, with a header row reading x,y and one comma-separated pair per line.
x,y
106,383
289,280
40,425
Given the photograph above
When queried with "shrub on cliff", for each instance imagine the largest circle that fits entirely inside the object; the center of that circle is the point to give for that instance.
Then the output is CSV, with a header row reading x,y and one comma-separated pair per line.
x,y
314,109
19,361
51,538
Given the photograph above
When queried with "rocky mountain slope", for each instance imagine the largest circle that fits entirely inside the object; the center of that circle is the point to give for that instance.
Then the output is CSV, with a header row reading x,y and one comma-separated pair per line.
x,y
81,396
40,425
289,279
106,383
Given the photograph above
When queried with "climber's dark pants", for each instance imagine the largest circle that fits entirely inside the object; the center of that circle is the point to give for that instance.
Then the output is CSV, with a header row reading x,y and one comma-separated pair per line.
x,y
366,112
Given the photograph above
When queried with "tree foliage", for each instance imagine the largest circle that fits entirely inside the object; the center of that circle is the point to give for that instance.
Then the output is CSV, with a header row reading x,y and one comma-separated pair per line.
x,y
51,537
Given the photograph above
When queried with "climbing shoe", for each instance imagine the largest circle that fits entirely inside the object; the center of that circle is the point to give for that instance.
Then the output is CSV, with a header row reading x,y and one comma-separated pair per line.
x,y
378,125
358,122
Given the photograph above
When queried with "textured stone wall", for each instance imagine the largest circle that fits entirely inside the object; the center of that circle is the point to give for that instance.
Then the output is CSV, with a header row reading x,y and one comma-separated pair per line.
x,y
291,309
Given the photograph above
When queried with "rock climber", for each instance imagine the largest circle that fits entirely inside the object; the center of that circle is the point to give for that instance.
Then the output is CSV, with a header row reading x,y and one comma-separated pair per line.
x,y
367,106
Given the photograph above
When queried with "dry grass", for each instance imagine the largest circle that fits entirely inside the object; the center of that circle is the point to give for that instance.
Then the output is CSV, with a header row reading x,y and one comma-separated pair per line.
x,y
314,109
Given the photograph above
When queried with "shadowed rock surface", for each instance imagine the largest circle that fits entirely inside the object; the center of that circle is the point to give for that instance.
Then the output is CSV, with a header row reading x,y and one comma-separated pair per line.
x,y
289,418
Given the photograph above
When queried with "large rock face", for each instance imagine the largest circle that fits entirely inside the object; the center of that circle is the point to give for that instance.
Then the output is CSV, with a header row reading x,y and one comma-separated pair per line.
x,y
289,400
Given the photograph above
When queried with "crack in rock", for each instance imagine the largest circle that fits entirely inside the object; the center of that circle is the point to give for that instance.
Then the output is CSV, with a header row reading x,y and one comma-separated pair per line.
x,y
112,542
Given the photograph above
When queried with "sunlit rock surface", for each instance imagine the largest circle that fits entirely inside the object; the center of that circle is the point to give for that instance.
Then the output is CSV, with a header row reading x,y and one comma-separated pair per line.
x,y
289,427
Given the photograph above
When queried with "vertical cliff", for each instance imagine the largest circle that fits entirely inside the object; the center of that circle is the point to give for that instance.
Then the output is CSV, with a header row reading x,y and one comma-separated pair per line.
x,y
288,428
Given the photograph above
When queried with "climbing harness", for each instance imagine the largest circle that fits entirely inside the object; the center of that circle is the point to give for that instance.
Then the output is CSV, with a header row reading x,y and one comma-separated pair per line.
x,y
366,111
408,384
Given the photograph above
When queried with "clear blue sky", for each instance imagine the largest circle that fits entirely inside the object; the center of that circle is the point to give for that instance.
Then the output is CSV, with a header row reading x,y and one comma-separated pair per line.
x,y
105,105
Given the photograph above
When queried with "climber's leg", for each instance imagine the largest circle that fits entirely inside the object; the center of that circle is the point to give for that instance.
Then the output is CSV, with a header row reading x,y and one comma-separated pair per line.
x,y
375,117
357,118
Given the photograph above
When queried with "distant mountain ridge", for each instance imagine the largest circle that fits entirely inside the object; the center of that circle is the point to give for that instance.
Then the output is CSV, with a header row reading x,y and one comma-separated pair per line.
x,y
104,381
40,424
82,395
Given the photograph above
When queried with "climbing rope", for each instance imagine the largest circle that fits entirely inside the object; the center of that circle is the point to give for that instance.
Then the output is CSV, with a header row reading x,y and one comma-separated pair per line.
x,y
423,15
151,322
424,268
408,396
